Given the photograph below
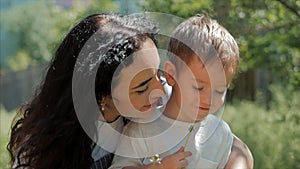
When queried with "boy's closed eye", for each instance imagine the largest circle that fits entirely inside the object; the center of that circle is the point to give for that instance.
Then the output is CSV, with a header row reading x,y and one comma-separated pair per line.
x,y
220,91
198,88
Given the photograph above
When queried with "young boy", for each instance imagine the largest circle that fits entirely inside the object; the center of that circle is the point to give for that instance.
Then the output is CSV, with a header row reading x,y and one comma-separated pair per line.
x,y
203,59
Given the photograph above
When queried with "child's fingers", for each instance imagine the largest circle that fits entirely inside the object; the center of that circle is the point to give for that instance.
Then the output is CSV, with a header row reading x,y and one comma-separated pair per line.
x,y
183,163
185,154
182,155
180,150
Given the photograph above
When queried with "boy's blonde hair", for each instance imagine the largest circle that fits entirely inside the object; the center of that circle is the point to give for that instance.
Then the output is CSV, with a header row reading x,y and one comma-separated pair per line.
x,y
203,37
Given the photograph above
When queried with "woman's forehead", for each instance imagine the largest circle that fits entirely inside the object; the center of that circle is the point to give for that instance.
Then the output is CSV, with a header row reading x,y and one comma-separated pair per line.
x,y
141,62
146,58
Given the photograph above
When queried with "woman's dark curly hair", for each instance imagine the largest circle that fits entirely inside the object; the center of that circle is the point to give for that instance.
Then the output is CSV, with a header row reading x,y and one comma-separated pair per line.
x,y
46,132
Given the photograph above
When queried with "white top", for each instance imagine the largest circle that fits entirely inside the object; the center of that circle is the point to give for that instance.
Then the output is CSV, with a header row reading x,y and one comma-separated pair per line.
x,y
210,142
109,133
108,137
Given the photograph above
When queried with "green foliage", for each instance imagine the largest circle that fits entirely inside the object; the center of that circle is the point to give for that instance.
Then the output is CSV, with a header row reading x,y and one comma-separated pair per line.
x,y
267,31
268,36
182,8
35,33
98,6
273,136
41,25
5,121
19,62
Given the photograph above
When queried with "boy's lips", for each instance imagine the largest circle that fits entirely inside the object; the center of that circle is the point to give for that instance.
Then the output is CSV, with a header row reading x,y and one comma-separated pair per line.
x,y
204,108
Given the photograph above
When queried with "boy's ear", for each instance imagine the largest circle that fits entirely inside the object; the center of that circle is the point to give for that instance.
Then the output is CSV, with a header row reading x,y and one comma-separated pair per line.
x,y
170,73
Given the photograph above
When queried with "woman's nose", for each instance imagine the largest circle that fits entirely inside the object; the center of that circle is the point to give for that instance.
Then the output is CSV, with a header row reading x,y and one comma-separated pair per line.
x,y
157,90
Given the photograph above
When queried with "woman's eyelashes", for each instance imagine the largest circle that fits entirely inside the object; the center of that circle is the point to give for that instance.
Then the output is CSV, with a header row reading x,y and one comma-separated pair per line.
x,y
145,85
142,91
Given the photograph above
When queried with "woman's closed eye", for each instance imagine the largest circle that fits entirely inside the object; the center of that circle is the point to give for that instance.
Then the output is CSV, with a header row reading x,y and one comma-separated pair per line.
x,y
142,91
142,87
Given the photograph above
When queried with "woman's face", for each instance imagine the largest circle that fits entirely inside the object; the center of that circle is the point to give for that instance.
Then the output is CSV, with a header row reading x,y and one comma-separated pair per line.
x,y
138,86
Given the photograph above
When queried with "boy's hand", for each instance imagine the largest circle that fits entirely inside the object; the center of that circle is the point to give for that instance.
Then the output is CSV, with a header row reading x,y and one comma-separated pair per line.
x,y
175,161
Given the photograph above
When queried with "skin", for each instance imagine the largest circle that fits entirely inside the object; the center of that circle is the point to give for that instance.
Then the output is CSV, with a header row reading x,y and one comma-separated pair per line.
x,y
195,93
111,113
145,103
141,81
240,157
197,83
175,161
211,92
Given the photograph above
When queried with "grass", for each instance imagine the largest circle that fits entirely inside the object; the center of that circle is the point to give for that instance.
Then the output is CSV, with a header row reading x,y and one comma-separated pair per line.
x,y
5,122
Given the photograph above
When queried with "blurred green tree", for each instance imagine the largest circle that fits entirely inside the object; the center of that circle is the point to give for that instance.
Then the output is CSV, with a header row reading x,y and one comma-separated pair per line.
x,y
267,31
41,26
268,34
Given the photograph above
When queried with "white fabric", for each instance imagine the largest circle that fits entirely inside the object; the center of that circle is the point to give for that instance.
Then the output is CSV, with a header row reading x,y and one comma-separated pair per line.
x,y
210,142
109,133
107,137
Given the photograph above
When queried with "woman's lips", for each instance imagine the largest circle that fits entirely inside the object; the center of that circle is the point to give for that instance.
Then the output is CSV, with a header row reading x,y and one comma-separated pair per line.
x,y
154,104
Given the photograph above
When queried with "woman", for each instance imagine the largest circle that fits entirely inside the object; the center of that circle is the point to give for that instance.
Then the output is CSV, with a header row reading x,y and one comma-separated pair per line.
x,y
56,129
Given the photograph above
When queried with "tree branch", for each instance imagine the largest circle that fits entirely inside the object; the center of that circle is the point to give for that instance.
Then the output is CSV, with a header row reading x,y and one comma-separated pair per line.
x,y
293,10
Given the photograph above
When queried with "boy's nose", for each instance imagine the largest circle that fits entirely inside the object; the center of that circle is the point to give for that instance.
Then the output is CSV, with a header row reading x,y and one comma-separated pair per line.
x,y
205,98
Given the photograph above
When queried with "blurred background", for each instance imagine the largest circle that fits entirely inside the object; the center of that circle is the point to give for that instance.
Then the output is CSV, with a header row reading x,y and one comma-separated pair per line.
x,y
263,106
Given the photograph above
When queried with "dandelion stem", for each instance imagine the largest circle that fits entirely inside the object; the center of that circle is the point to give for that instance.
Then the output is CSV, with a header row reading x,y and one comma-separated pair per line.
x,y
188,136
